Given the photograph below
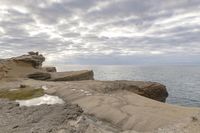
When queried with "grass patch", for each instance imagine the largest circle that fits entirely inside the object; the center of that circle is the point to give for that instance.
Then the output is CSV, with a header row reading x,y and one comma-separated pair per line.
x,y
21,93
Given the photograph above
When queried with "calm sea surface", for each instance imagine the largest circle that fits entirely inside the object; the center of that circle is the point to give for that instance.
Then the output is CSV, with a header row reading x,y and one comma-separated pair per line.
x,y
183,82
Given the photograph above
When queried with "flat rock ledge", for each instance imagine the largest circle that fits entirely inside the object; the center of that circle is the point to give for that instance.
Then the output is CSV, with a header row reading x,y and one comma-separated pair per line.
x,y
72,76
63,76
114,107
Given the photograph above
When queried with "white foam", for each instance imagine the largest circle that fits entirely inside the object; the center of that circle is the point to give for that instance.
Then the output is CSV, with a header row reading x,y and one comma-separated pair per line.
x,y
45,99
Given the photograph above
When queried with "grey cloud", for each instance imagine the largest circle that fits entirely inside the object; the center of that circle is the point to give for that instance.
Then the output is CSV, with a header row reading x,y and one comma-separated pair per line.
x,y
100,31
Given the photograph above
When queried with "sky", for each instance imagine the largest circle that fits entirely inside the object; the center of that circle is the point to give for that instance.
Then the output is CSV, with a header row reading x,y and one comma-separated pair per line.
x,y
102,31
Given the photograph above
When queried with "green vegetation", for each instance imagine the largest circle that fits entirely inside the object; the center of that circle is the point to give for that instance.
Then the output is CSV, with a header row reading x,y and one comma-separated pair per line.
x,y
21,93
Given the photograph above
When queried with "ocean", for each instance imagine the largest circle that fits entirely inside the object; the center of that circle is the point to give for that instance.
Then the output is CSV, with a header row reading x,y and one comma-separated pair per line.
x,y
182,81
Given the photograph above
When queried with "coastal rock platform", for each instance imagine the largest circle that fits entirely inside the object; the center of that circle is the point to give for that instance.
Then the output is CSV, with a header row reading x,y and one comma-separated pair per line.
x,y
91,106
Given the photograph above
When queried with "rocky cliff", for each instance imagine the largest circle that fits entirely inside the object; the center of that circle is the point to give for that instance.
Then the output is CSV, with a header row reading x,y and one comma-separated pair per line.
x,y
30,66
33,58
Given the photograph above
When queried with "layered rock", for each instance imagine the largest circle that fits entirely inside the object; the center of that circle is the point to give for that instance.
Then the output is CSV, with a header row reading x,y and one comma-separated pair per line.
x,y
150,90
39,76
62,76
33,58
117,105
114,106
72,75
30,66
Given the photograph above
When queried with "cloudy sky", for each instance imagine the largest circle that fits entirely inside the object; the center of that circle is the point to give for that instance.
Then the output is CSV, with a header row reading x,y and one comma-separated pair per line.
x,y
102,31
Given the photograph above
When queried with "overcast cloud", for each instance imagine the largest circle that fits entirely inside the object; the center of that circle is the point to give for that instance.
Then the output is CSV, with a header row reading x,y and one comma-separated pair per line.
x,y
102,31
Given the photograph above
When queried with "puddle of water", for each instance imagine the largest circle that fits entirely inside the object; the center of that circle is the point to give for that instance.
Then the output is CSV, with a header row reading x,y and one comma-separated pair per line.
x,y
45,99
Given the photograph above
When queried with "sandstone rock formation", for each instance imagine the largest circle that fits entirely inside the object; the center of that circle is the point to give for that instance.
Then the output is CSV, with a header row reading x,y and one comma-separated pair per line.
x,y
62,76
31,66
39,76
109,106
72,75
33,58
119,109
150,90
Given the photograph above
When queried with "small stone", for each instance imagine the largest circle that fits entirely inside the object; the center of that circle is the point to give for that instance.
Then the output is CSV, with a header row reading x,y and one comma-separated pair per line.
x,y
16,126
194,119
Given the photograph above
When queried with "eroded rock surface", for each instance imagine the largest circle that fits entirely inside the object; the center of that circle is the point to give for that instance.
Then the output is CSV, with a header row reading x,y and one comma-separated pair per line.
x,y
39,76
72,76
33,58
40,119
30,66
150,90
58,118
114,106
117,107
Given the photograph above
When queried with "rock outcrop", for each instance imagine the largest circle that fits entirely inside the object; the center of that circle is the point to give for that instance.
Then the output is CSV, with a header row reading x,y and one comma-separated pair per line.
x,y
39,76
62,76
109,106
30,66
72,75
119,107
150,90
35,59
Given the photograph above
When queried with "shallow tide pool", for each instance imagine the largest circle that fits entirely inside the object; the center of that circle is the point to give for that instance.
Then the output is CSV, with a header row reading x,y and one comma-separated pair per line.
x,y
45,99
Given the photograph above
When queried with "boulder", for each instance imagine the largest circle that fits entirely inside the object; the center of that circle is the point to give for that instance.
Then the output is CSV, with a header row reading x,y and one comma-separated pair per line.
x,y
72,75
152,90
49,69
39,76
